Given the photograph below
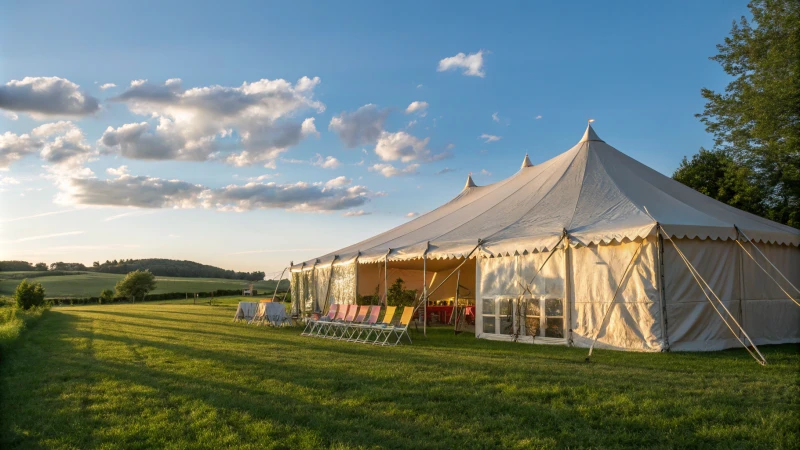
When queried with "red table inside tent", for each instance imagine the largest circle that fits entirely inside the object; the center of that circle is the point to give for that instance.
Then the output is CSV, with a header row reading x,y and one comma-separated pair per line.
x,y
443,313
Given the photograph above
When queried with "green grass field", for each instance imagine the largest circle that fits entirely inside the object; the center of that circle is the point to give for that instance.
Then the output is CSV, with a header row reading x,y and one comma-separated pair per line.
x,y
181,376
91,284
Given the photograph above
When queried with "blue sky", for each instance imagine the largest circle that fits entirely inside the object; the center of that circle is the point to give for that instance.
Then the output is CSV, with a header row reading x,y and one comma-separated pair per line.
x,y
530,76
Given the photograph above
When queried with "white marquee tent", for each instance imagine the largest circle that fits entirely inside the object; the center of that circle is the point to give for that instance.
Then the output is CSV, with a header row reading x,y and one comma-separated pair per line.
x,y
590,245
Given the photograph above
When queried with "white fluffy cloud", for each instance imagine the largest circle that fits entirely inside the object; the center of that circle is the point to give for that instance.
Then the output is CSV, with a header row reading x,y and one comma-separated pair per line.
x,y
412,214
360,127
148,192
402,146
327,162
338,182
258,117
357,213
490,138
300,196
105,86
417,106
14,147
388,170
46,97
471,64
129,190
59,143
68,148
496,117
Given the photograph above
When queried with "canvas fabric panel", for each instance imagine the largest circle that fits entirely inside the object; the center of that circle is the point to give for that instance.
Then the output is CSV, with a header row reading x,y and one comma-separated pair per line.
x,y
769,316
634,320
343,284
693,324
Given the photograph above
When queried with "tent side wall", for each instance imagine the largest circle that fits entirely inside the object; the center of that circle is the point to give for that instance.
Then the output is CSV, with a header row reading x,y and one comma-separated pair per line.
x,y
310,285
754,300
574,290
634,320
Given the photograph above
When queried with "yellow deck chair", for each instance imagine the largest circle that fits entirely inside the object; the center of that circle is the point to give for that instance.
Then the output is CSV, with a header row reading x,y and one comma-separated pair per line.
x,y
397,331
377,328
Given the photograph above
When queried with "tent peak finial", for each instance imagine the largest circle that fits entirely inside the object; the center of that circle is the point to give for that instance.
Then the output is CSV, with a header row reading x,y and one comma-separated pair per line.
x,y
590,135
470,183
526,162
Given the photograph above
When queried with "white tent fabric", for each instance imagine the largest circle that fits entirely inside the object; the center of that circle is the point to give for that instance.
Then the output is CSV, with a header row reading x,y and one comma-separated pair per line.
x,y
593,191
608,205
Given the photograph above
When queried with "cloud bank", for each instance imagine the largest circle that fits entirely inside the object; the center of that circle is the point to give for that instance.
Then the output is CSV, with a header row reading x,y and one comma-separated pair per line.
x,y
44,97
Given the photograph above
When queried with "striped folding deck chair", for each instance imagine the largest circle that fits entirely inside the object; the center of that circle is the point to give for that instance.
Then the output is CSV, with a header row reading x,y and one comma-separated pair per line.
x,y
312,325
388,316
396,332
351,328
325,327
336,328
360,329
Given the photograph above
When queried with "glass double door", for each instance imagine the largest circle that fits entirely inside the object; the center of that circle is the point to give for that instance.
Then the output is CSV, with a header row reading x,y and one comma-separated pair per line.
x,y
535,316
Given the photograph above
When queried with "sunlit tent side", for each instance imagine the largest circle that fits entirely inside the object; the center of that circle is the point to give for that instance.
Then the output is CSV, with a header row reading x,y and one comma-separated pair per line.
x,y
588,246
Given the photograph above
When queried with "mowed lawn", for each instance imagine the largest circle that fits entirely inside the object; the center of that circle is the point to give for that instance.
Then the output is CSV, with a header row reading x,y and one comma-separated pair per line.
x,y
184,376
92,283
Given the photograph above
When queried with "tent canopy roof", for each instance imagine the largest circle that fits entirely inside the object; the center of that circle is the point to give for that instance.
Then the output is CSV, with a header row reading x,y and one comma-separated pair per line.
x,y
592,191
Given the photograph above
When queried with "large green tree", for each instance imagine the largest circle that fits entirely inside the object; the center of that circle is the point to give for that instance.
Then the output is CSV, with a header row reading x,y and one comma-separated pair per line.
x,y
29,295
756,120
136,284
716,174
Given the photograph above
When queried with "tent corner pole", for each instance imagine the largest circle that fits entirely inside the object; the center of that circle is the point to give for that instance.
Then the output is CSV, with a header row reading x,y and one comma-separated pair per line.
x,y
386,278
662,292
355,280
567,288
425,289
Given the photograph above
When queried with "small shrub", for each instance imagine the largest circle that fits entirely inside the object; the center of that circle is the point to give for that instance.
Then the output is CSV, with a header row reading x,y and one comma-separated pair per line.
x,y
398,296
29,295
107,296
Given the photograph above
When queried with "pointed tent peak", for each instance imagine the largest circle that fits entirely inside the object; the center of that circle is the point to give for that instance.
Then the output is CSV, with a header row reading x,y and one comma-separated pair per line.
x,y
526,162
590,135
470,183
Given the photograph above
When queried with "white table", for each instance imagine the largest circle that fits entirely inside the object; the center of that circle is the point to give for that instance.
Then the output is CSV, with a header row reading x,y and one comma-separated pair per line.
x,y
246,311
273,313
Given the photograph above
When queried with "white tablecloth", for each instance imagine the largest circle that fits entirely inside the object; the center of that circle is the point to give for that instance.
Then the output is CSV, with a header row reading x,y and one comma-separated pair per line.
x,y
246,311
275,313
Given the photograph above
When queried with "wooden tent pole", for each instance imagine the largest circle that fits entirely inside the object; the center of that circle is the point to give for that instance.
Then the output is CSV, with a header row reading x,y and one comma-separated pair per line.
x,y
454,314
386,278
662,296
425,289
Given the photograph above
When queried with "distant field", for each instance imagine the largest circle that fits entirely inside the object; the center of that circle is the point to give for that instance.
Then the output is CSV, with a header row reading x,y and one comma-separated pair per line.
x,y
91,284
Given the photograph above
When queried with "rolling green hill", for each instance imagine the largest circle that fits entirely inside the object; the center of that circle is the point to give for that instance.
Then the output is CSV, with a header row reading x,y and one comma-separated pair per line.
x,y
88,284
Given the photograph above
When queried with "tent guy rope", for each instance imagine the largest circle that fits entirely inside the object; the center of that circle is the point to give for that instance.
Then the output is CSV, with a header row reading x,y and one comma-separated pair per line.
x,y
770,263
697,277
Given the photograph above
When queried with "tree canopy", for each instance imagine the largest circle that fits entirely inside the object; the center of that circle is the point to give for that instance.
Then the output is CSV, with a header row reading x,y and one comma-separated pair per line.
x,y
136,284
756,120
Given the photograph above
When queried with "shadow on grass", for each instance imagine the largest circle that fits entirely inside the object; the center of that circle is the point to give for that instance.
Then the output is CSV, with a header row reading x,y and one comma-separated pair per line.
x,y
146,382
